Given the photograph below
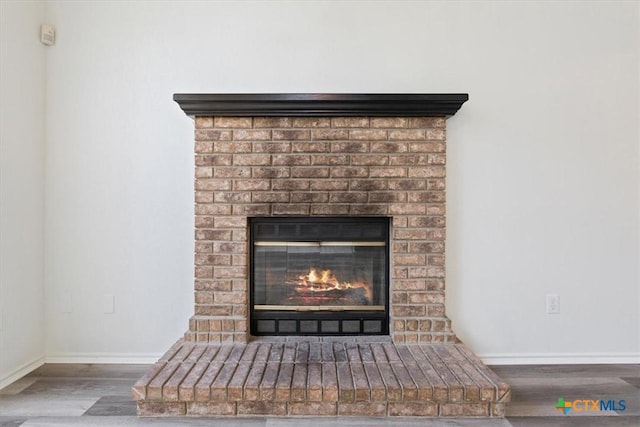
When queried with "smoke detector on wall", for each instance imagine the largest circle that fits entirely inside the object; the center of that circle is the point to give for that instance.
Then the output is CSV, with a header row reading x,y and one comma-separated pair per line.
x,y
47,35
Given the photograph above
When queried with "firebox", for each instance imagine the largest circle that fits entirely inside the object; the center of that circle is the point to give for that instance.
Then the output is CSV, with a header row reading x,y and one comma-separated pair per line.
x,y
319,275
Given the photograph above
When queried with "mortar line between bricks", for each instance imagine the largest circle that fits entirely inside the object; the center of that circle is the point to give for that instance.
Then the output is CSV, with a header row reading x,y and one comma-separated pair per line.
x,y
485,373
420,365
473,373
438,350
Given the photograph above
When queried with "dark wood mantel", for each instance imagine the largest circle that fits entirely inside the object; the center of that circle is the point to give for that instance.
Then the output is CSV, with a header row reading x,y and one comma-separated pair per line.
x,y
320,104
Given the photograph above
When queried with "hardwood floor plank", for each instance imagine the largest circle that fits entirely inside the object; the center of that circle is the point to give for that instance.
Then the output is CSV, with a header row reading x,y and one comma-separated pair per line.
x,y
61,396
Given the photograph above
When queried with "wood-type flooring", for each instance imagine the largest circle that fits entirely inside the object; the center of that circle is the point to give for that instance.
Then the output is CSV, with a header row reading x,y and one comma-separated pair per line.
x,y
100,395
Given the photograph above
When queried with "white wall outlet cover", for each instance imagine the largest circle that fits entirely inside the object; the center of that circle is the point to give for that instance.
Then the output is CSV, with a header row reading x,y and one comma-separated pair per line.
x,y
553,304
47,35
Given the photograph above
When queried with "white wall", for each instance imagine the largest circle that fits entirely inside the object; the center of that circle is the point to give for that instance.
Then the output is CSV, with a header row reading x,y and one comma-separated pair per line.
x,y
22,152
543,159
543,185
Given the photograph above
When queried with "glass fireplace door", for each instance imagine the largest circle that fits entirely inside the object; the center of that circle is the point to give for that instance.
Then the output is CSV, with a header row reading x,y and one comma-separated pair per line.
x,y
319,275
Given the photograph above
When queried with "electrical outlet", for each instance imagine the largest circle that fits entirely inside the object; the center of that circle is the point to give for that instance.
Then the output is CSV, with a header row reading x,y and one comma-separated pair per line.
x,y
553,304
47,35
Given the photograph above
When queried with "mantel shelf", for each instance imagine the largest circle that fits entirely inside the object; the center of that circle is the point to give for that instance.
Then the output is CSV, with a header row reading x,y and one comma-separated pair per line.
x,y
320,104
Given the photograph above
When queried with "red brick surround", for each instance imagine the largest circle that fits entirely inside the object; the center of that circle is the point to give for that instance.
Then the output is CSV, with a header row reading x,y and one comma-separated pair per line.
x,y
291,166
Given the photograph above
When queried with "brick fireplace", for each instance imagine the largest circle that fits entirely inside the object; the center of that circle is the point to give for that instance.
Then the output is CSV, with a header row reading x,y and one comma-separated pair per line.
x,y
320,156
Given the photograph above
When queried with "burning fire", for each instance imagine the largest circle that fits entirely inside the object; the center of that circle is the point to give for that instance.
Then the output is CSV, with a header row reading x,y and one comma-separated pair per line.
x,y
324,277
325,281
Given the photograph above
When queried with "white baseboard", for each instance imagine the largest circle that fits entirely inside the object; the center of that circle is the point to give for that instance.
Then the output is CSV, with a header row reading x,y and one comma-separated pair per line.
x,y
21,371
107,358
560,358
489,359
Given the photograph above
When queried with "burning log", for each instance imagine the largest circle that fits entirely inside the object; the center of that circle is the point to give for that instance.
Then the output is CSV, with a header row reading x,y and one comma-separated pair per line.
x,y
322,287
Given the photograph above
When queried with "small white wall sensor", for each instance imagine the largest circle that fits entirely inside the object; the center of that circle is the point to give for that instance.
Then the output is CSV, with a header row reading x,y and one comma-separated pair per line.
x,y
47,35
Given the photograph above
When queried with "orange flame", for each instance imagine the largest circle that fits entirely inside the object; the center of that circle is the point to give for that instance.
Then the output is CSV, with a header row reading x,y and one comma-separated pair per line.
x,y
324,280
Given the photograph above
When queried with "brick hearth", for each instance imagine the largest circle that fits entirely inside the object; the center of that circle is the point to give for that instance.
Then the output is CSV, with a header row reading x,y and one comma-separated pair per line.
x,y
320,155
321,376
